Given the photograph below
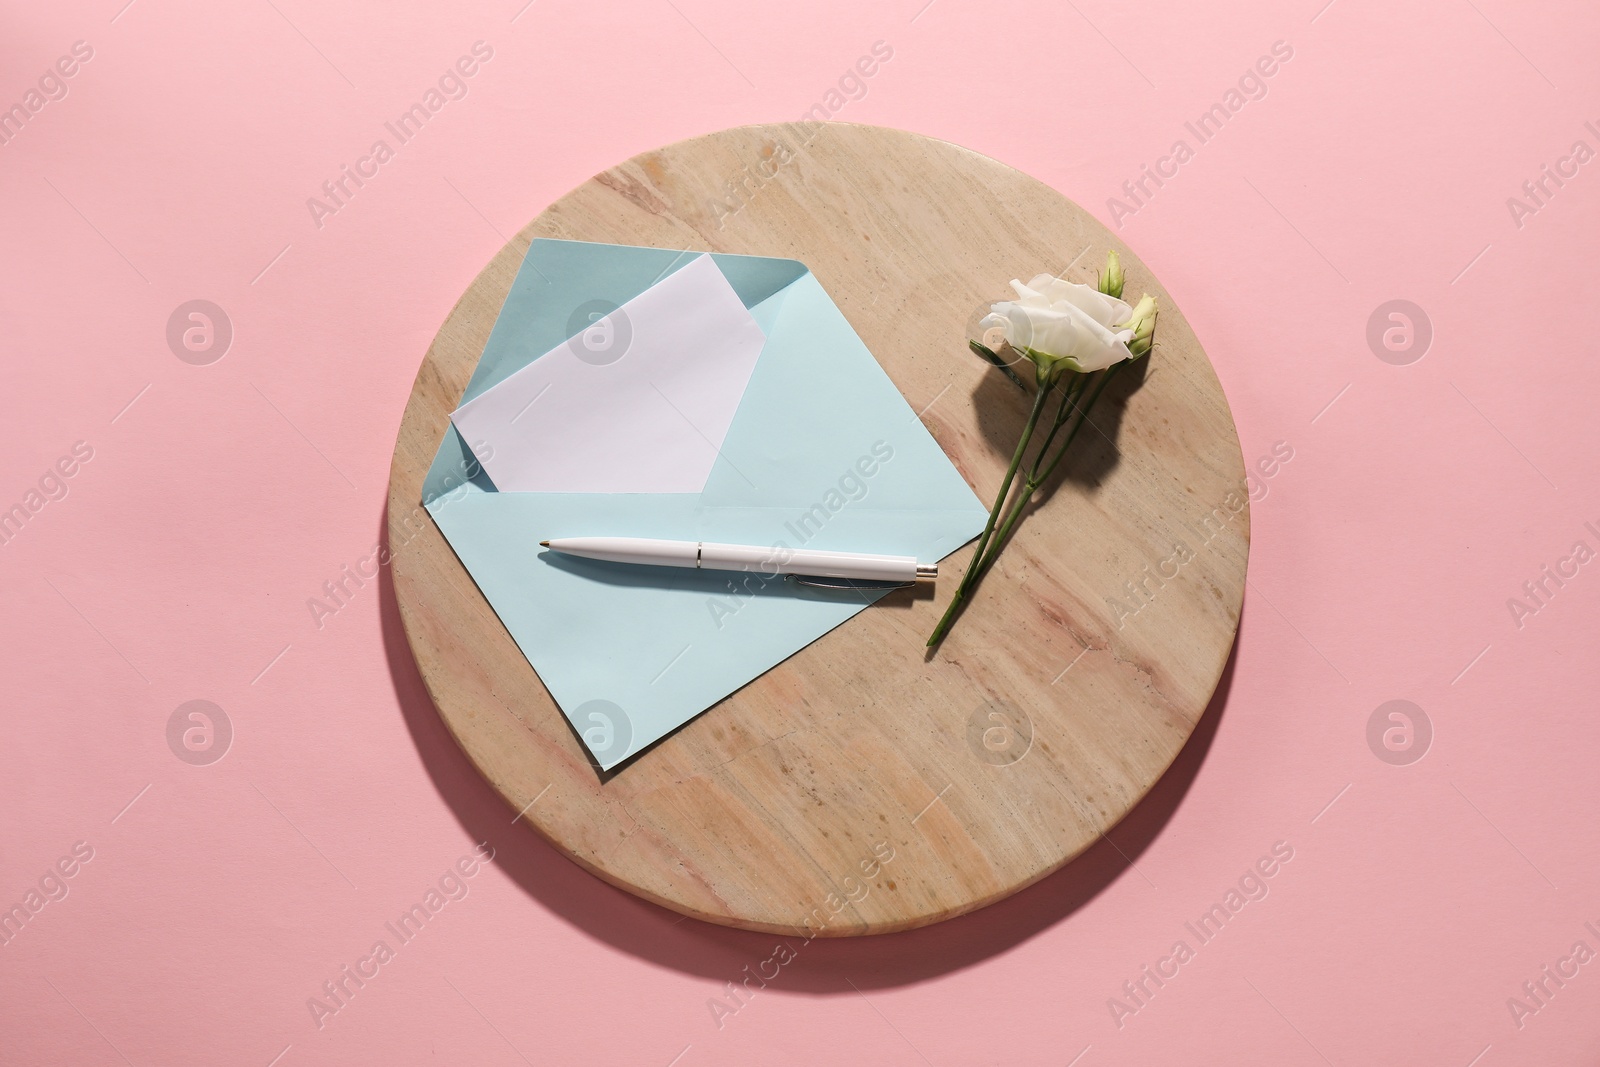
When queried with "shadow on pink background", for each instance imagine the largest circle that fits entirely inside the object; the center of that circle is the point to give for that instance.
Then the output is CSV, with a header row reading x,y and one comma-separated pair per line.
x,y
1436,881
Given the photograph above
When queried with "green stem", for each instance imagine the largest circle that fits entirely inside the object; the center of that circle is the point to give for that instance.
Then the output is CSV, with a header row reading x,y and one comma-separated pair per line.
x,y
969,578
1035,479
1069,395
1099,387
1005,486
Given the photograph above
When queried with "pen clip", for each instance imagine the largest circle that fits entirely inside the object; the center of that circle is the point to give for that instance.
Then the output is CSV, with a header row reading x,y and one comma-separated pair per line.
x,y
863,584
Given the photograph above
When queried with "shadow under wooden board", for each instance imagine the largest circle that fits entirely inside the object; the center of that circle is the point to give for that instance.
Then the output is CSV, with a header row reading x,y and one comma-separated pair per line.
x,y
859,787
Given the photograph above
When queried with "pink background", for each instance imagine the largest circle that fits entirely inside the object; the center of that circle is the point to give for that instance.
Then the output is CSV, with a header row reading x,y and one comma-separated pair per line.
x,y
220,497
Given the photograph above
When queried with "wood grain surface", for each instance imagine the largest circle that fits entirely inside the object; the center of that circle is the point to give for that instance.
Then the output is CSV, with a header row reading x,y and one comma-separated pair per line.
x,y
859,787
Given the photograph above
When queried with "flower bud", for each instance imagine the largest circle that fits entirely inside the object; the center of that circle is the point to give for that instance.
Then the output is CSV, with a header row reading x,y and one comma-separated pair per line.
x,y
1111,279
1143,324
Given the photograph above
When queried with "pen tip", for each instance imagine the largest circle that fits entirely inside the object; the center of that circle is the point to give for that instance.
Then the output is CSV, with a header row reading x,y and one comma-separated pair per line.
x,y
544,544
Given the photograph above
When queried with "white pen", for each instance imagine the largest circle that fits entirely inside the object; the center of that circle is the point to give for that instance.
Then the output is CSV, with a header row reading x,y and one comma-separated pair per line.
x,y
709,555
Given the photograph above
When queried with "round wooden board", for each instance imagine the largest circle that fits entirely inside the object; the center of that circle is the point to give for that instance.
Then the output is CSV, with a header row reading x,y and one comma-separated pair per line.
x,y
858,787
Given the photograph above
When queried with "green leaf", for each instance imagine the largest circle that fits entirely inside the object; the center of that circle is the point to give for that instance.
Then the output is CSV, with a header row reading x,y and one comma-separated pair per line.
x,y
994,357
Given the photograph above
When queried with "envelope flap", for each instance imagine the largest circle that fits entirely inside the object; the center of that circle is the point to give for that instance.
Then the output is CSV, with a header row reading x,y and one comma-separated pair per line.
x,y
820,417
559,289
562,284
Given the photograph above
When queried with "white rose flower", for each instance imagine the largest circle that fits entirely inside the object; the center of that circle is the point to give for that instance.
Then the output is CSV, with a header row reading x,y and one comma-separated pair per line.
x,y
1062,325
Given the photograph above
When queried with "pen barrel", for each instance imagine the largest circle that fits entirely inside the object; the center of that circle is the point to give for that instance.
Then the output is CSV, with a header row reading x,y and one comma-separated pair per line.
x,y
631,550
774,561
858,566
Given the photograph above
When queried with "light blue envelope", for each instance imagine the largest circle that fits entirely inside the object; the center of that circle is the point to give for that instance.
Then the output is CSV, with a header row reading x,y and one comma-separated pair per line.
x,y
823,451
